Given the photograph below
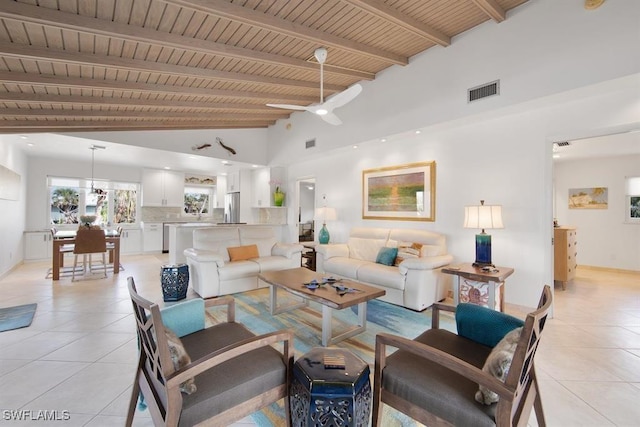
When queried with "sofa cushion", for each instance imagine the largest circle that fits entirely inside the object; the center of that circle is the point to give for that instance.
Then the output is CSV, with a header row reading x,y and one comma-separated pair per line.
x,y
408,250
273,263
386,256
364,243
216,239
240,253
238,269
433,244
381,275
263,237
345,267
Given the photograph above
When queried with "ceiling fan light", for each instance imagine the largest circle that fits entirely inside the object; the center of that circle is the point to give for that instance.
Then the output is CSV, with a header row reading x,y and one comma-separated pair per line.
x,y
322,111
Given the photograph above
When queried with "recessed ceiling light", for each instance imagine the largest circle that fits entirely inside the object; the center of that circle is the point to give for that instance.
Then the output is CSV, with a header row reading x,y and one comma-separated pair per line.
x,y
556,156
254,166
30,144
225,162
355,146
383,140
223,174
167,167
418,132
24,137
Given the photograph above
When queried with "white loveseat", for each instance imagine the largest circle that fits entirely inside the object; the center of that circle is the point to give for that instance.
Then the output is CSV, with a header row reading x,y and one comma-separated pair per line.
x,y
416,283
211,271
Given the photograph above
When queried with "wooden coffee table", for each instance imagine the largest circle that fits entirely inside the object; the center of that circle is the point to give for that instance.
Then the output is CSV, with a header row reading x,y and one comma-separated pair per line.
x,y
293,281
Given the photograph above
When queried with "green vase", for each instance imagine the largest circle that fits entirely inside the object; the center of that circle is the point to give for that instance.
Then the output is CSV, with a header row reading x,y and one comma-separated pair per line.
x,y
278,198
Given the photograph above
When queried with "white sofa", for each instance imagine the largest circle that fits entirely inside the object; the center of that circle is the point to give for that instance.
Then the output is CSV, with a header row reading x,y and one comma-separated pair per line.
x,y
416,283
212,273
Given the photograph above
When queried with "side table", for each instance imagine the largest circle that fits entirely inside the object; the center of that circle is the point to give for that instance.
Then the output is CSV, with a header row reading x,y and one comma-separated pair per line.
x,y
309,256
322,396
478,286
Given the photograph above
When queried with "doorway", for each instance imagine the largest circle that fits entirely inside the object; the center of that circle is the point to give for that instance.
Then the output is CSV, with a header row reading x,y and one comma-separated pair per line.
x,y
306,209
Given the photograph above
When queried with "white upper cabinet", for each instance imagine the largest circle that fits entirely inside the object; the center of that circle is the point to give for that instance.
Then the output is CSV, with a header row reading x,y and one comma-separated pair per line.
x,y
162,188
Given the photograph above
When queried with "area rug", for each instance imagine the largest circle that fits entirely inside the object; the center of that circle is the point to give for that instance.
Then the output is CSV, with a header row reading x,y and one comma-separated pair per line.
x,y
16,317
252,310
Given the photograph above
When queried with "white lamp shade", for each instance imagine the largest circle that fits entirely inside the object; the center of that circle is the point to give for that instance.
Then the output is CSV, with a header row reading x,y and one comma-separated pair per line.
x,y
483,216
325,214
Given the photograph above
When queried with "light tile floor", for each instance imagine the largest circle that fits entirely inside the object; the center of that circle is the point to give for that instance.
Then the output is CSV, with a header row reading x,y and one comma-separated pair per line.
x,y
79,353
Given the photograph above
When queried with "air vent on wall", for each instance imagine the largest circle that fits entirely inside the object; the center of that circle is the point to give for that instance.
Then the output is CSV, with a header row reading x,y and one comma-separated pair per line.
x,y
563,143
483,91
310,143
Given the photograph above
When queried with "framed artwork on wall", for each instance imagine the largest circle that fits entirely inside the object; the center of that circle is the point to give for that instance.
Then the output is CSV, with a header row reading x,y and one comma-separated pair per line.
x,y
404,192
589,198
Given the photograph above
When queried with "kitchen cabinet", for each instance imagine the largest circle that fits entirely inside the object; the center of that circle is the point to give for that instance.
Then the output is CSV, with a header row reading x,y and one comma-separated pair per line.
x,y
152,237
131,241
233,182
37,245
565,252
162,188
265,181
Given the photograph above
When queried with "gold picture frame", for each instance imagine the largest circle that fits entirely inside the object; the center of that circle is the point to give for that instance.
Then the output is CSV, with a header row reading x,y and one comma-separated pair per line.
x,y
401,193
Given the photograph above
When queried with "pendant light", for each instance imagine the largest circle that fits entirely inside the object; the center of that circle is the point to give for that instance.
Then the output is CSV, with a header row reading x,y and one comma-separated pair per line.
x,y
93,149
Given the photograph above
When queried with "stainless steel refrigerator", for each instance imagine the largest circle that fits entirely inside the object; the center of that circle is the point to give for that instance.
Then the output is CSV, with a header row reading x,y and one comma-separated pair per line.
x,y
232,208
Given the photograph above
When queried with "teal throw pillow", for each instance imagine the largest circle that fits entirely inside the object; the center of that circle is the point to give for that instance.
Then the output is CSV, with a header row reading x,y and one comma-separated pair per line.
x,y
484,325
387,256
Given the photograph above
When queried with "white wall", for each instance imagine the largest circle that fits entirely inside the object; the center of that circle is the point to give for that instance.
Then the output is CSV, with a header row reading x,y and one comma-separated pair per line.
x,y
604,239
564,71
13,211
40,168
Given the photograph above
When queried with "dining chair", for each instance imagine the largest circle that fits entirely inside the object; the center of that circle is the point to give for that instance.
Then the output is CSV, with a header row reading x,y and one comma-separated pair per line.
x,y
112,246
235,372
66,248
89,241
435,377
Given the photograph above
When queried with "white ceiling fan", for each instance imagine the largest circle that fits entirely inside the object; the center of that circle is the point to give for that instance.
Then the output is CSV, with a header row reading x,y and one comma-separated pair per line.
x,y
324,109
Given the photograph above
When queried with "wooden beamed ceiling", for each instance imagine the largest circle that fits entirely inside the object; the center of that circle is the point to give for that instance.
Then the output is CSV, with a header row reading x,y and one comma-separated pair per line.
x,y
105,65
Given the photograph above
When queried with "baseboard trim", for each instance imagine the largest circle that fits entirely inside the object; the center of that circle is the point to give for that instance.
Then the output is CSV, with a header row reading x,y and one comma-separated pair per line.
x,y
612,270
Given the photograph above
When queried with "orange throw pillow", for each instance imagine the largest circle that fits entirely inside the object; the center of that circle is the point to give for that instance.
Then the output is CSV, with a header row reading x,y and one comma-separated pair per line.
x,y
239,253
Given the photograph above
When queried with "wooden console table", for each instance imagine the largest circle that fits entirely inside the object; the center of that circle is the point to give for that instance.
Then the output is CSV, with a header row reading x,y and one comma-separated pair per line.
x,y
478,286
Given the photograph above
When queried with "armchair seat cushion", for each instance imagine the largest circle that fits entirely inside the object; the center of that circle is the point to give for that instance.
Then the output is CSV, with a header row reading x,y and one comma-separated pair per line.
x,y
382,275
236,380
435,388
238,269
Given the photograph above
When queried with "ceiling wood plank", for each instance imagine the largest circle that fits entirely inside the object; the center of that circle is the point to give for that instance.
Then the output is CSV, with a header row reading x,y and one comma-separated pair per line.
x,y
24,12
382,10
492,9
273,23
38,98
80,82
23,126
148,114
57,55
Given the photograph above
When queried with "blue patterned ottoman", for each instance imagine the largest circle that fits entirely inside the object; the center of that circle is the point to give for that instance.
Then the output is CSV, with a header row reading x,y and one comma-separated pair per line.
x,y
336,395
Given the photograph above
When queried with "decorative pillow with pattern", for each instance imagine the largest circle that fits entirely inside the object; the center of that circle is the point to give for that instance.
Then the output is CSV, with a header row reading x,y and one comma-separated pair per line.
x,y
408,250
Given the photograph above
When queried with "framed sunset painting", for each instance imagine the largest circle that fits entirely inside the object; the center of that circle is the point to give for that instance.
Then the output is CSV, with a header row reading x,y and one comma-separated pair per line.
x,y
404,192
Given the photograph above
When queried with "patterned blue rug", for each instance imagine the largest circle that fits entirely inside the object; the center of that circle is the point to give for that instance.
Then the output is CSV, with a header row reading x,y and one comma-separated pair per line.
x,y
16,317
252,310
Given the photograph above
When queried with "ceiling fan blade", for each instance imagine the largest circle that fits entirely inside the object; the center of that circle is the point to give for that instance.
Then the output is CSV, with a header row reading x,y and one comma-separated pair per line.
x,y
343,97
331,118
288,107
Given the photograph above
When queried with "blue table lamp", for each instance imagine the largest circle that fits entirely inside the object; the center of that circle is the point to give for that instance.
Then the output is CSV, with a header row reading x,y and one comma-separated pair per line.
x,y
483,217
325,214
